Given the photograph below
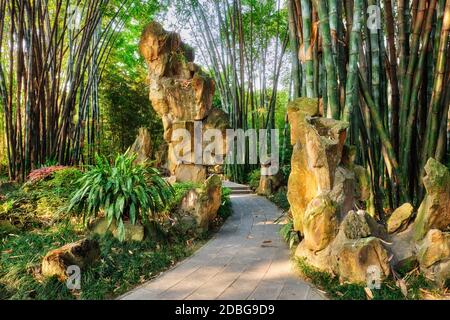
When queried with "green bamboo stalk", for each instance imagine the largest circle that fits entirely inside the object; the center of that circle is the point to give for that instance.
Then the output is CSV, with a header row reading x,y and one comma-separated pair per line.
x,y
352,92
332,84
307,47
388,151
437,97
415,89
375,61
408,77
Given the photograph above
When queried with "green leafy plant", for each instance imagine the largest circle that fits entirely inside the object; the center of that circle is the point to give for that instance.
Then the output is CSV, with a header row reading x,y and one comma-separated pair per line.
x,y
253,179
122,191
289,234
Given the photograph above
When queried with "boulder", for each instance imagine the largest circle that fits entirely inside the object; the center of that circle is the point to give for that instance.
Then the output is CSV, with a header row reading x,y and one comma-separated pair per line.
x,y
142,147
357,225
403,247
81,253
133,232
434,212
182,94
268,185
399,219
320,223
354,259
320,260
434,248
434,256
203,203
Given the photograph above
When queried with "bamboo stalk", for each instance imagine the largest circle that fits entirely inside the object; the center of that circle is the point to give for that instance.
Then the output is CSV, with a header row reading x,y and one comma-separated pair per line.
x,y
332,84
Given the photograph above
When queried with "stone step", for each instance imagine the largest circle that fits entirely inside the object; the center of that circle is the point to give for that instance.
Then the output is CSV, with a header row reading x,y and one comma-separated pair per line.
x,y
233,192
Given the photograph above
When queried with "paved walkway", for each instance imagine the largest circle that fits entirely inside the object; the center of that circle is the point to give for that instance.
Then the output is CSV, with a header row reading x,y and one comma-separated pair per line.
x,y
246,259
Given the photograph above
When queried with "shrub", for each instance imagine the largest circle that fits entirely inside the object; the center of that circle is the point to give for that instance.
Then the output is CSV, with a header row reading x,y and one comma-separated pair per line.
x,y
289,234
122,190
225,207
253,179
280,199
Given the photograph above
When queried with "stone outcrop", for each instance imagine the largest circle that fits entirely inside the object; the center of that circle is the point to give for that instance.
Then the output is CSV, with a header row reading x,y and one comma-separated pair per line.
x,y
142,146
268,185
182,95
318,145
434,212
320,223
325,188
203,203
81,253
133,232
434,256
399,219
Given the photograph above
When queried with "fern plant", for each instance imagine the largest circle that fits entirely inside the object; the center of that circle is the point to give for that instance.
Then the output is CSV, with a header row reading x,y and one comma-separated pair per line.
x,y
123,191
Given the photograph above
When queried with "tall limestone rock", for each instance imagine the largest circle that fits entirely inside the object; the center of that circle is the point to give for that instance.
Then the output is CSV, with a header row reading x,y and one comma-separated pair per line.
x,y
182,95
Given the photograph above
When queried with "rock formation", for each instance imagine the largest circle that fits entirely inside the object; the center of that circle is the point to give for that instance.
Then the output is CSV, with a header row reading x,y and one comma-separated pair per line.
x,y
81,253
434,212
182,95
142,146
324,187
203,203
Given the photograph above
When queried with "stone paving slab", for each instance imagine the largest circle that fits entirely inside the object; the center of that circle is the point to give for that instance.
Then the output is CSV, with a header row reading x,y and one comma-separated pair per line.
x,y
245,260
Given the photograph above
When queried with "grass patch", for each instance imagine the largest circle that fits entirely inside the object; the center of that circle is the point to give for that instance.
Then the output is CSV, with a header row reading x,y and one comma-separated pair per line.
x,y
122,265
36,222
389,290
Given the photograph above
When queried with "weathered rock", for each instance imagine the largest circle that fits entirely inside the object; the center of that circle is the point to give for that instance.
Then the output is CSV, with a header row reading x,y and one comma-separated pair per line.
x,y
190,173
133,232
142,147
302,186
203,203
320,223
325,140
354,259
400,218
268,185
357,225
343,192
320,260
182,95
434,212
434,248
434,256
318,145
81,253
403,247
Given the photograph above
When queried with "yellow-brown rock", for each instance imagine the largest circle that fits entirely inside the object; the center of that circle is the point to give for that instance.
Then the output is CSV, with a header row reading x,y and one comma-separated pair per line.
x,y
142,146
318,145
434,256
354,258
434,212
203,203
434,248
399,219
81,253
181,94
320,223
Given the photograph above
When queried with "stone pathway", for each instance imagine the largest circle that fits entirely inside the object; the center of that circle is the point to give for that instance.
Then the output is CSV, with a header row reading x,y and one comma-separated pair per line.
x,y
246,259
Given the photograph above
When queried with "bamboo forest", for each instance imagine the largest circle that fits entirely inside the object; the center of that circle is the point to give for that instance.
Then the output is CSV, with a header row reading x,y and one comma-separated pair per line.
x,y
225,150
